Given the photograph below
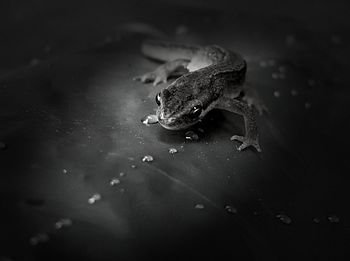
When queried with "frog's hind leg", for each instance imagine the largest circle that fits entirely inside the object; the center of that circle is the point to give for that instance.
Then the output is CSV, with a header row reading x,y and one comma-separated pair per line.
x,y
164,71
251,137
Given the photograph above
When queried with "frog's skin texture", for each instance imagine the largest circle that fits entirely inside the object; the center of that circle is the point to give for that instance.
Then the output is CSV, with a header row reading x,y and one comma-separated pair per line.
x,y
213,78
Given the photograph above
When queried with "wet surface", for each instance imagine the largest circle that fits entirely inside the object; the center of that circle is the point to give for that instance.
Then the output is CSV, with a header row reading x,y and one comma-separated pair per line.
x,y
70,127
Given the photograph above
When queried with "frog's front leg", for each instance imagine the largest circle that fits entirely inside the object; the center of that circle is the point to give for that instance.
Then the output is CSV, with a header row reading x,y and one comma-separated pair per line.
x,y
252,98
251,137
162,73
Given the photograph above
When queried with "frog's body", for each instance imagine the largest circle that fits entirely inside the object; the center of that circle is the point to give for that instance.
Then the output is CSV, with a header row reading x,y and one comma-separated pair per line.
x,y
214,79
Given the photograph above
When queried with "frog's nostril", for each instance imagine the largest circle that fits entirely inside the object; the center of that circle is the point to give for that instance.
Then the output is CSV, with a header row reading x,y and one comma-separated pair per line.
x,y
171,120
161,116
165,120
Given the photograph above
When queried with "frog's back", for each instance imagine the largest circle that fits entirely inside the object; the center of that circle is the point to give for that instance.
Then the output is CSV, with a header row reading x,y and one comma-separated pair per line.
x,y
226,68
212,69
218,62
234,71
198,57
224,74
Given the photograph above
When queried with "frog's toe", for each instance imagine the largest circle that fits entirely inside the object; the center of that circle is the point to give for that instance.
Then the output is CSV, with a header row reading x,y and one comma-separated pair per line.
x,y
156,77
160,79
246,142
236,137
147,77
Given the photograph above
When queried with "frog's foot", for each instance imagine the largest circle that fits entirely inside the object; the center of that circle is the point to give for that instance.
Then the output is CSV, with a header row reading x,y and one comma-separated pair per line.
x,y
246,142
157,76
161,74
252,98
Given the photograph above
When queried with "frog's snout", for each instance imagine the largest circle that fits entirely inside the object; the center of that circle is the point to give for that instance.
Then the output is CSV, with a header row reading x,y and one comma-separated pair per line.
x,y
166,121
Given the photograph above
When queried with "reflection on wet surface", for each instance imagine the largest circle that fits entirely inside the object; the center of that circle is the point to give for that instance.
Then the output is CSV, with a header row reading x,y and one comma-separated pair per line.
x,y
82,177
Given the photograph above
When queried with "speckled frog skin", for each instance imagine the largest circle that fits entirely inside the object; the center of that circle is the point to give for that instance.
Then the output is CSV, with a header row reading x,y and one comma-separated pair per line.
x,y
210,77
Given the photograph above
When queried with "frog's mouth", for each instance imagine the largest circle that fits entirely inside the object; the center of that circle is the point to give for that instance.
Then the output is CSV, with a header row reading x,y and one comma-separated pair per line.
x,y
169,127
174,124
168,123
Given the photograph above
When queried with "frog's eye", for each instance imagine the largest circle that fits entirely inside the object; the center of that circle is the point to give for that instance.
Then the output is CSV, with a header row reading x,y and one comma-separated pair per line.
x,y
158,99
196,111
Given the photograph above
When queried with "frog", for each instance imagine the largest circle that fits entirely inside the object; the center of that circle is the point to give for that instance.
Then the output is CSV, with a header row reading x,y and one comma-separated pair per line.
x,y
208,77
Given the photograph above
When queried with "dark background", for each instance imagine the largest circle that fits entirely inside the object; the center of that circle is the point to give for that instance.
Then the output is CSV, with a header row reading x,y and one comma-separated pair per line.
x,y
67,102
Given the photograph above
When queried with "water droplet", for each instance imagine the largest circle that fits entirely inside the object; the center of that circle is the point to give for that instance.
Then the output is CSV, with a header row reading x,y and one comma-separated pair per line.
x,y
336,39
47,48
108,39
114,181
191,135
172,150
94,198
5,258
133,166
278,75
316,220
284,218
34,62
263,64
294,92
147,158
311,82
282,76
181,29
333,219
39,238
64,222
277,94
64,171
149,119
275,75
282,69
290,39
121,174
199,206
231,209
2,145
271,62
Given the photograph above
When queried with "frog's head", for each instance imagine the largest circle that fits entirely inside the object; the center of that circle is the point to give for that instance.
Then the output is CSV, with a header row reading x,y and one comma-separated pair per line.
x,y
181,105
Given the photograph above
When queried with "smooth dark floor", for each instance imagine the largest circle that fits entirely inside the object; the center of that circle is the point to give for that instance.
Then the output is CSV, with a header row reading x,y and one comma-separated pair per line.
x,y
70,123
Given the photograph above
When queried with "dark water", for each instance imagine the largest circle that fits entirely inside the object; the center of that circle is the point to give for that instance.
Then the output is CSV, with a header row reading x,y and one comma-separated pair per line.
x,y
70,124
